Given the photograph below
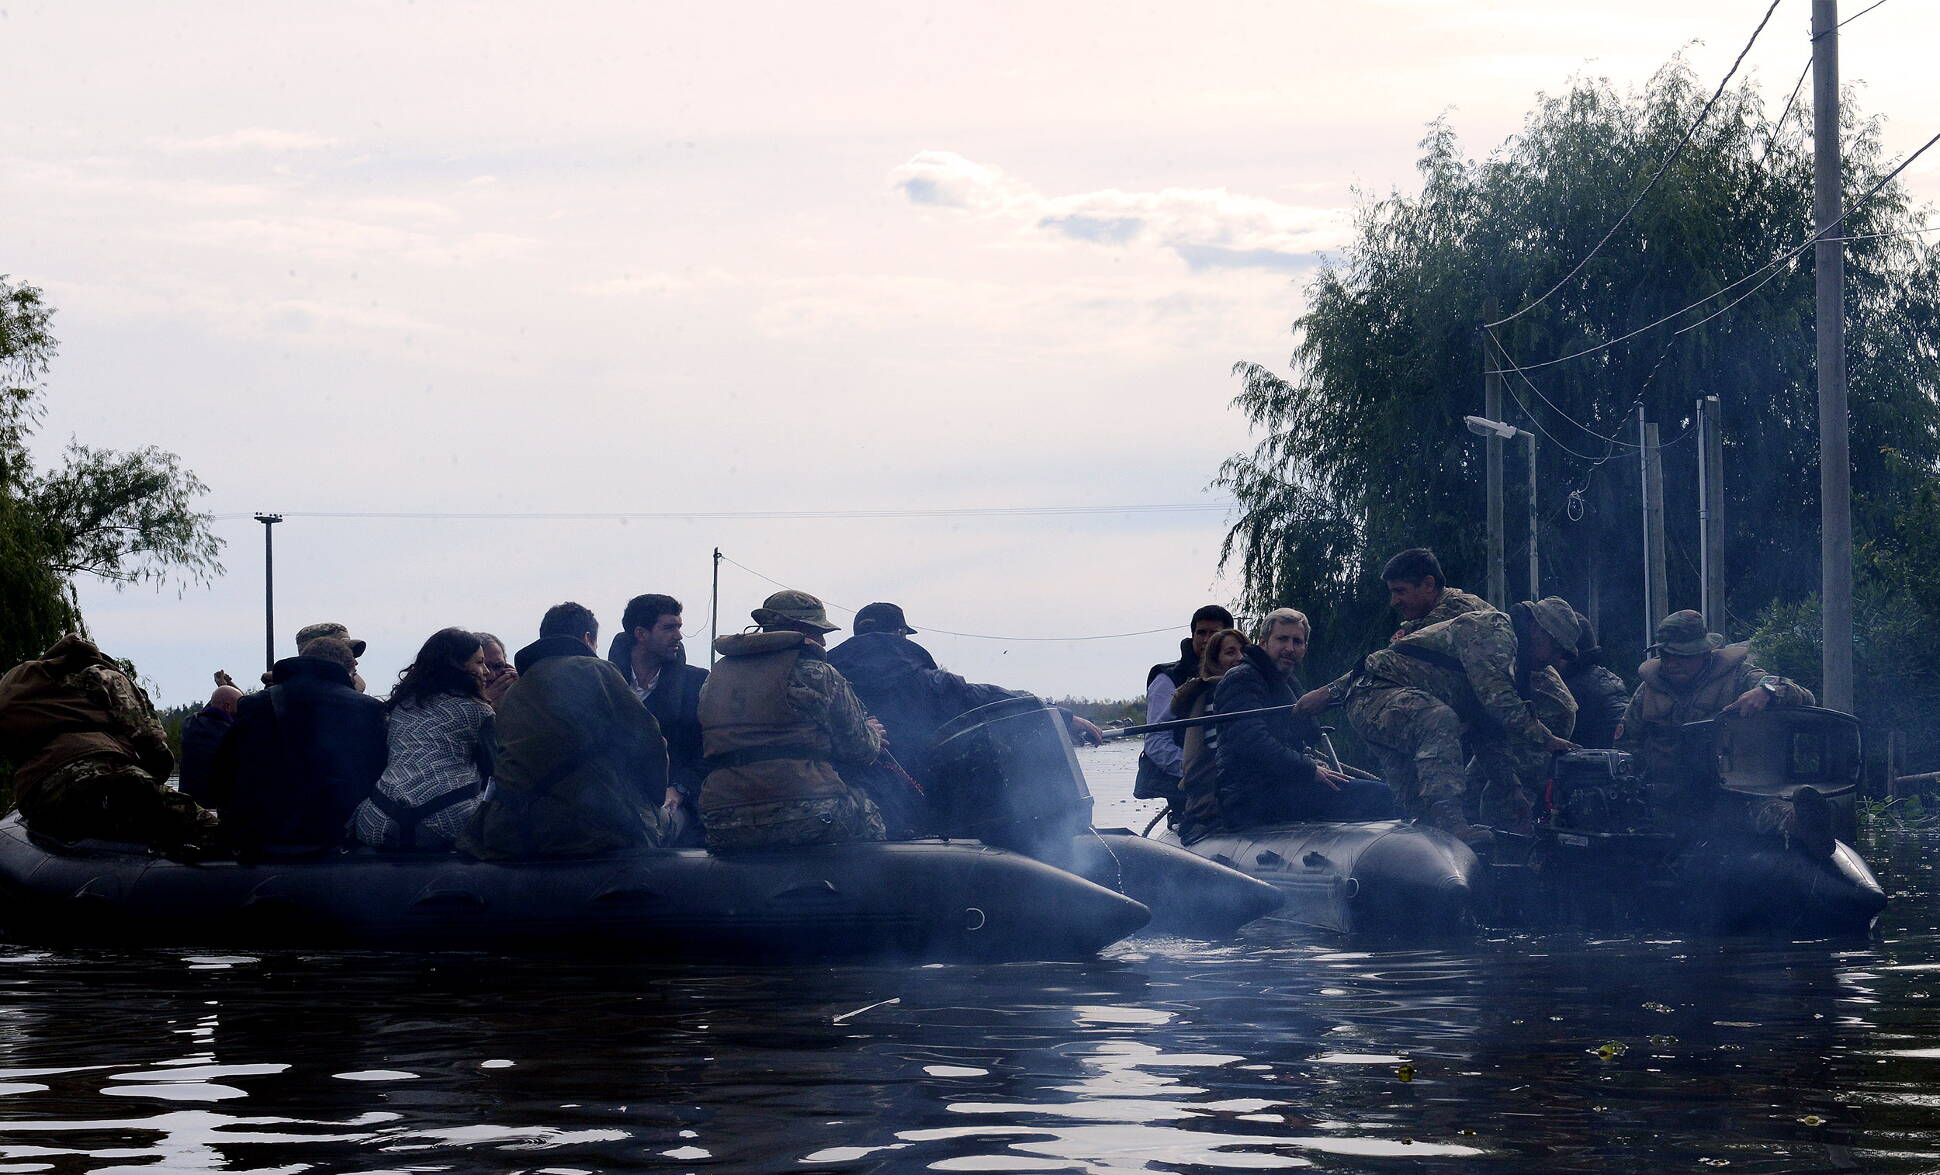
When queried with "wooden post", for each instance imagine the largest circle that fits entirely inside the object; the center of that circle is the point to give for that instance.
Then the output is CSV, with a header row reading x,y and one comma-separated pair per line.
x,y
1657,590
1492,408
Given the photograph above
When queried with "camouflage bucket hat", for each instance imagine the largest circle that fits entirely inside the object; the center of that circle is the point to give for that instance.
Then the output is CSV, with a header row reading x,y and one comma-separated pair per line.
x,y
1683,634
793,607
1554,616
310,632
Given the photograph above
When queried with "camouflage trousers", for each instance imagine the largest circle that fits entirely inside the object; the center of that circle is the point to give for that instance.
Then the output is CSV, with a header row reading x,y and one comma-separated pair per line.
x,y
823,820
112,799
1418,739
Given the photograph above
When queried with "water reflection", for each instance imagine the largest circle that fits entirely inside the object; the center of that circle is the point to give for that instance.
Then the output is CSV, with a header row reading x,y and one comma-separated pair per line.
x,y
1275,1051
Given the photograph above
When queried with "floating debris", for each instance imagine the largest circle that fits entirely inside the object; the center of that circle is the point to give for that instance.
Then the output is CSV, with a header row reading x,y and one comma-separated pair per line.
x,y
1406,1072
1610,1050
1812,1120
1660,1009
859,1011
1661,1040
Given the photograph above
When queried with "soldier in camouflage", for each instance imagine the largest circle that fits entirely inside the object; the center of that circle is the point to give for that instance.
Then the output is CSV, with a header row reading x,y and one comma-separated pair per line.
x,y
1691,676
1414,700
90,757
777,721
1418,592
1505,775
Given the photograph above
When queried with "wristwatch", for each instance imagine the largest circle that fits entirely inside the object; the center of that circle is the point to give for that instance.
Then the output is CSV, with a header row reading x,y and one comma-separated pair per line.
x,y
1769,683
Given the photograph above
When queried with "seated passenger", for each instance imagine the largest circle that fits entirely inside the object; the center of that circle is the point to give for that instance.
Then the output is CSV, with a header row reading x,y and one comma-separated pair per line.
x,y
1690,677
202,734
581,767
1197,809
649,653
1266,771
1161,764
778,722
89,756
900,685
1600,694
301,756
441,743
499,673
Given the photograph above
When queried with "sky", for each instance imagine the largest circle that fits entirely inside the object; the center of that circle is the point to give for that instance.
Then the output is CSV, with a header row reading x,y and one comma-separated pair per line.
x,y
378,258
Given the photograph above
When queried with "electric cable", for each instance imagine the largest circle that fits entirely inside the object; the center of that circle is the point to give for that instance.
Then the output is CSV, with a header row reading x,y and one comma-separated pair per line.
x,y
1689,133
729,515
1109,636
1815,238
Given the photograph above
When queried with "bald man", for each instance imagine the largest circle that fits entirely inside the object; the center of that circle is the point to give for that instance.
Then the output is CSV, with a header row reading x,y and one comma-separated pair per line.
x,y
202,733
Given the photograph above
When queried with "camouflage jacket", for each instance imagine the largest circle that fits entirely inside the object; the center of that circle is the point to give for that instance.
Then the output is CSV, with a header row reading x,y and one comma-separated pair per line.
x,y
75,703
1454,602
1467,662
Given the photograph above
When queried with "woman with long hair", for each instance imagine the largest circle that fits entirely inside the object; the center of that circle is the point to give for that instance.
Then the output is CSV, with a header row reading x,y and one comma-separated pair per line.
x,y
441,742
1193,699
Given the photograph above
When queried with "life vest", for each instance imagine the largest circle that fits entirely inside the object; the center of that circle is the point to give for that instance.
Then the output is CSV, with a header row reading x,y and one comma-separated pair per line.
x,y
1661,704
758,749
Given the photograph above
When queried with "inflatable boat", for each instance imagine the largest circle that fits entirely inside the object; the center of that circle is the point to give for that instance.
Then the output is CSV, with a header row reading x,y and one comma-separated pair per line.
x,y
1375,877
1751,835
917,900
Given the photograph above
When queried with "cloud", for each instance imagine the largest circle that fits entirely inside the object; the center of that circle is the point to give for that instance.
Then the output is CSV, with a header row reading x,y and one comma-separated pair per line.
x,y
1207,228
246,139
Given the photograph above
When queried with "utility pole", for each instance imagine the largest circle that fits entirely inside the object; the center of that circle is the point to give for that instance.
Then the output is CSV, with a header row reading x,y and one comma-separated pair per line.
x,y
1835,462
1656,591
1535,568
1711,510
714,610
269,589
1492,408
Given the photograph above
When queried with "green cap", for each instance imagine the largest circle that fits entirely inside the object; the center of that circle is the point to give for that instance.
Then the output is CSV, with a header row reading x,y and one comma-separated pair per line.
x,y
790,607
1554,616
1683,634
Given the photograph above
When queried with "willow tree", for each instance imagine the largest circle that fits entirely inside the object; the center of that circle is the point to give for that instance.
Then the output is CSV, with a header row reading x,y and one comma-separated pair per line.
x,y
127,518
1363,448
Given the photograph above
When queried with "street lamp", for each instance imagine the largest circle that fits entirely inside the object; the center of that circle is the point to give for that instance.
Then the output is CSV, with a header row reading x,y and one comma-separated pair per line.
x,y
1482,426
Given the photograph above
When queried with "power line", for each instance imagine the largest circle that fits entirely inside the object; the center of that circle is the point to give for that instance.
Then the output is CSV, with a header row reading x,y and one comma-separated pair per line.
x,y
1855,16
723,515
1774,263
980,636
1690,132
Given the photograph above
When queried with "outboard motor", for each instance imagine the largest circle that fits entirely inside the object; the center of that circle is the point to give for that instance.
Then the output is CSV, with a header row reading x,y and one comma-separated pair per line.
x,y
1599,791
1005,774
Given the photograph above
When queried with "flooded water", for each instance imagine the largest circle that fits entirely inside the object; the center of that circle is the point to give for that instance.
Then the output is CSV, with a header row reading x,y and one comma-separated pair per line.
x,y
1279,1050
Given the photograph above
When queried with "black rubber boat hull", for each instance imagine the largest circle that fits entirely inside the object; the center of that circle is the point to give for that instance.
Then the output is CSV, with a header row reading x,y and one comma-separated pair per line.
x,y
919,900
1724,887
1374,877
1187,894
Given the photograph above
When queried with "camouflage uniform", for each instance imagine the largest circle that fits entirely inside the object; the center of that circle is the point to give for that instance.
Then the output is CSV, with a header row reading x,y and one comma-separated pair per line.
x,y
1413,701
91,756
1506,774
777,720
1453,602
1660,706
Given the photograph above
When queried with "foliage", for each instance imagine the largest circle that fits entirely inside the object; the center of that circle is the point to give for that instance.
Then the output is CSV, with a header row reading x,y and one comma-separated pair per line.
x,y
1105,712
124,517
1896,658
1363,449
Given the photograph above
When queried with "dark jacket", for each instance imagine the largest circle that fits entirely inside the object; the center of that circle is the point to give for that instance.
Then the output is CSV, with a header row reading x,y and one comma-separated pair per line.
x,y
300,757
675,704
1600,698
581,769
1265,773
899,683
202,734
